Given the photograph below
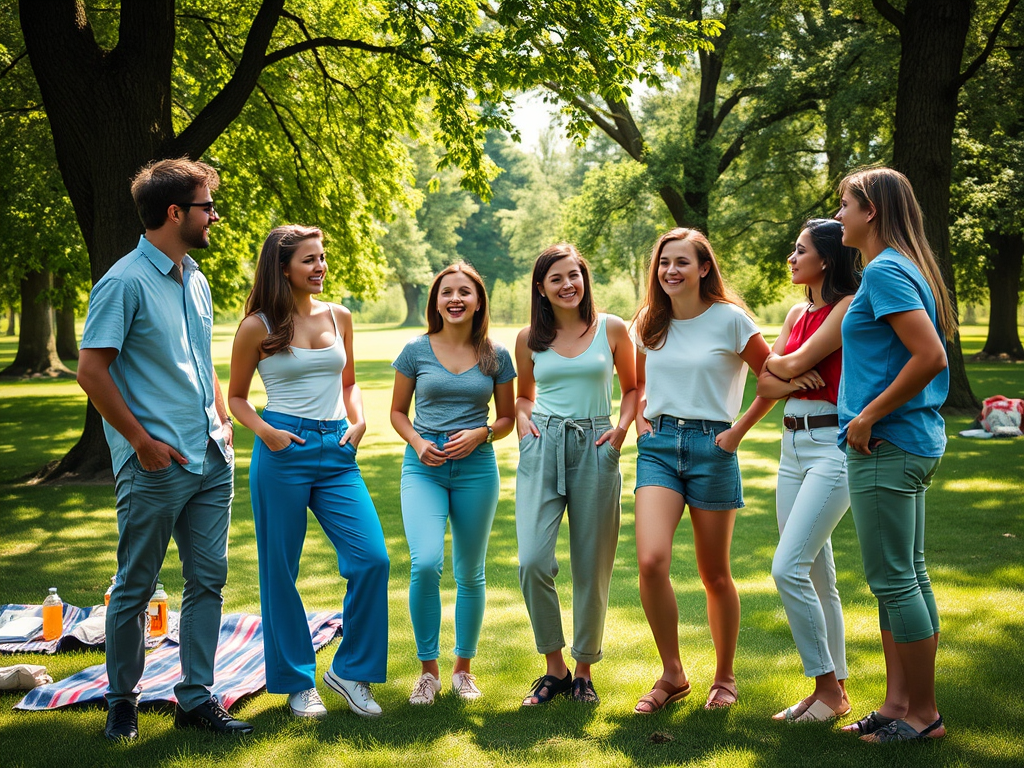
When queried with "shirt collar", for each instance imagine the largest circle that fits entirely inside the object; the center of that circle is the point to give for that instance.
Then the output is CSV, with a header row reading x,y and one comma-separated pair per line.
x,y
161,260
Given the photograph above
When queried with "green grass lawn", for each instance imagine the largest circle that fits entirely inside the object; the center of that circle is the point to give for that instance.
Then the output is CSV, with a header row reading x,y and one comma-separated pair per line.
x,y
66,537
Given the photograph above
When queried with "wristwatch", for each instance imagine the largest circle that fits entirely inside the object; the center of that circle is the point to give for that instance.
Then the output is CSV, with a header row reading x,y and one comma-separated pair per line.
x,y
490,435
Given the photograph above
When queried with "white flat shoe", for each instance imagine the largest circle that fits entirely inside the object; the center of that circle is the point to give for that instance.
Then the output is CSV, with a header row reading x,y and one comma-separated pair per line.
x,y
817,712
425,689
464,684
307,704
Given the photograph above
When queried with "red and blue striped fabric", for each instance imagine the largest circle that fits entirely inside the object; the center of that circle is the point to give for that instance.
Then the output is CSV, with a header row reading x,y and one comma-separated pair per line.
x,y
73,615
239,669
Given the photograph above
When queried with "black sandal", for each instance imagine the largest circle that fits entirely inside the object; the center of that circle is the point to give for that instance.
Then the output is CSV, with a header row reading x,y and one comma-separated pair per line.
x,y
583,691
546,687
870,724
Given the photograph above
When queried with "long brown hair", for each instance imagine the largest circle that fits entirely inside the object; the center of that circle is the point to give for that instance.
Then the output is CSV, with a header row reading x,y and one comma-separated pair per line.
x,y
542,317
655,313
485,352
271,292
900,225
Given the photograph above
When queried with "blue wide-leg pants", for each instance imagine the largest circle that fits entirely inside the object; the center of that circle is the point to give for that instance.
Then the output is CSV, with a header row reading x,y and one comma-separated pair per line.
x,y
323,476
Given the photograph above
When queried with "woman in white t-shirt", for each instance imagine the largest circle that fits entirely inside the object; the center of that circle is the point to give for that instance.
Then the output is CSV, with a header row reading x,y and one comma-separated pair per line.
x,y
695,342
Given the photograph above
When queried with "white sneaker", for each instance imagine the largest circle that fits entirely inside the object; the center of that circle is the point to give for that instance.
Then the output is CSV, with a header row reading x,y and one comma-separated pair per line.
x,y
425,689
307,704
464,684
356,693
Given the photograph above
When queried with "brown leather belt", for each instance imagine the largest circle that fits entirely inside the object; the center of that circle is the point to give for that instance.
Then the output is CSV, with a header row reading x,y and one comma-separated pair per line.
x,y
796,423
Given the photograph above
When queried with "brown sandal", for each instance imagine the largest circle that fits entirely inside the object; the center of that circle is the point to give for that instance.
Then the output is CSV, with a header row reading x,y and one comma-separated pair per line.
x,y
675,693
725,688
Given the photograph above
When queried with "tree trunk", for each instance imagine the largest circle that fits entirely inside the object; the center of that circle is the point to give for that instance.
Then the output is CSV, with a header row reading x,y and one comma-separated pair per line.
x,y
88,460
37,349
412,294
67,342
11,315
1004,292
932,37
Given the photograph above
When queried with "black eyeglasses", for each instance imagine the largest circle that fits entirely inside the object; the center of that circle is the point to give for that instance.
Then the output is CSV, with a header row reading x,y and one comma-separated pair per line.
x,y
206,207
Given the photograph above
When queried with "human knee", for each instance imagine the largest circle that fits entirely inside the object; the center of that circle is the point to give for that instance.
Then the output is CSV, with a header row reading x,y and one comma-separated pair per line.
x,y
653,565
718,583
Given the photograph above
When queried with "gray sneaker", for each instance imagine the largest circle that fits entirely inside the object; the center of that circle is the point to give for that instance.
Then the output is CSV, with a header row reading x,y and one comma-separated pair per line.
x,y
307,704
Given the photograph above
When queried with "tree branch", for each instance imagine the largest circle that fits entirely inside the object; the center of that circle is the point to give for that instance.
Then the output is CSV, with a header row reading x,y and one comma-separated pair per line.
x,y
755,126
13,63
728,105
337,42
890,14
990,44
223,108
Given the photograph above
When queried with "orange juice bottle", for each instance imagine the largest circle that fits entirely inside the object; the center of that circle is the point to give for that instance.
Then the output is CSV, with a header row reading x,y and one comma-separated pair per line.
x,y
110,590
53,616
158,612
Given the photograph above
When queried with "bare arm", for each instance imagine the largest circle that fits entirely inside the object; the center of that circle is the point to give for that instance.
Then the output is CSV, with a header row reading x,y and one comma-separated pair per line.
x,y
527,387
927,360
95,379
642,424
625,367
351,394
218,402
245,355
754,355
401,401
822,343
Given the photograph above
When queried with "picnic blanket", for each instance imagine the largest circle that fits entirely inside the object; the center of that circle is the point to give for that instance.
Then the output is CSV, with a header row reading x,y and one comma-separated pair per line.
x,y
238,672
83,628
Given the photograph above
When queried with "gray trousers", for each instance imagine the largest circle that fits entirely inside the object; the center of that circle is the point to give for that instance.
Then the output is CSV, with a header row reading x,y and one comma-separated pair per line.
x,y
562,471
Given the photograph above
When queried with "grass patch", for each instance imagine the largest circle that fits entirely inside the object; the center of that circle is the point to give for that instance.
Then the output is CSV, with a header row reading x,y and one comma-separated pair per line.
x,y
66,537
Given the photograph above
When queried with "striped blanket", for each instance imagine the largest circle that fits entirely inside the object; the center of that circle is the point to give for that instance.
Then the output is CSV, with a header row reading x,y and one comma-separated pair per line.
x,y
239,669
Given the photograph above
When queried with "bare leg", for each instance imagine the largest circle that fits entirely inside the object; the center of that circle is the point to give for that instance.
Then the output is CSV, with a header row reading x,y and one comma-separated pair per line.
x,y
712,536
431,667
461,665
582,670
658,512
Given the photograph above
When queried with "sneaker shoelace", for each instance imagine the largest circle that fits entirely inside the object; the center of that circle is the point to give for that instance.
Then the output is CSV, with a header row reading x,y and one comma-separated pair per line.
x,y
467,683
422,686
218,711
364,691
310,697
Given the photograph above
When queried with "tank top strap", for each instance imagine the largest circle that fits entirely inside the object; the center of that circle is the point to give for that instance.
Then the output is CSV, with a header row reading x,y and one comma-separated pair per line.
x,y
334,320
266,322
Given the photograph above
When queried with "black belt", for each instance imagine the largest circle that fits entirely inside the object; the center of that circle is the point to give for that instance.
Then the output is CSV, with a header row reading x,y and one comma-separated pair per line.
x,y
796,423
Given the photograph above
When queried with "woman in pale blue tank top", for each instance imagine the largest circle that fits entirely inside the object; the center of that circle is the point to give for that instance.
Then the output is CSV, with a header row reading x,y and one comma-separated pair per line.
x,y
304,457
569,463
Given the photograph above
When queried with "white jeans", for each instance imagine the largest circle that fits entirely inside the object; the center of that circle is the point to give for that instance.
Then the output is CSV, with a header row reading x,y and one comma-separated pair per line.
x,y
811,498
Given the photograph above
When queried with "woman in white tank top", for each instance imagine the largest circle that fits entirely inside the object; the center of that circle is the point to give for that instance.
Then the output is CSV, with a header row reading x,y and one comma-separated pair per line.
x,y
304,457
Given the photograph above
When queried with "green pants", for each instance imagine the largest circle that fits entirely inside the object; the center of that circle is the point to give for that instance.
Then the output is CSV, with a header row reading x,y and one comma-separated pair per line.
x,y
887,499
563,469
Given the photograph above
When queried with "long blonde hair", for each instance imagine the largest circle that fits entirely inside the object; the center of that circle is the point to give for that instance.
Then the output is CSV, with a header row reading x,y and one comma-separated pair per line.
x,y
900,225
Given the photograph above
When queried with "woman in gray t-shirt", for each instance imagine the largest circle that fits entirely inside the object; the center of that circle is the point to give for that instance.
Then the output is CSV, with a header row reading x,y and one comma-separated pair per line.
x,y
449,471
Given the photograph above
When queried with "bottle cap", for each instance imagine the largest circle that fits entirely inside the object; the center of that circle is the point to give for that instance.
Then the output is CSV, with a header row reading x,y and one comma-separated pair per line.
x,y
53,590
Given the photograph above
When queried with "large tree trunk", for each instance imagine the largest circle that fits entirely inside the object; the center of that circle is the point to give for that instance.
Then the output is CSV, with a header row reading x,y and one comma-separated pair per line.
x,y
932,37
412,294
110,114
1004,293
67,341
37,350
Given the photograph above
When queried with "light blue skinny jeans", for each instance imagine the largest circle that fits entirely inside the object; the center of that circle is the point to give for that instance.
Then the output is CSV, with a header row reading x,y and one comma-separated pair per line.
x,y
322,476
464,491
811,498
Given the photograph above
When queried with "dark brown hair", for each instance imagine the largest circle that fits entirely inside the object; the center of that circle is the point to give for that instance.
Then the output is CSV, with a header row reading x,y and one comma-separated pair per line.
x,y
542,316
900,225
840,262
271,292
486,355
163,183
655,313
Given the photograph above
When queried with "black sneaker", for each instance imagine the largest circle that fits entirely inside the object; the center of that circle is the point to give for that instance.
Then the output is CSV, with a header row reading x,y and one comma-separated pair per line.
x,y
122,722
209,716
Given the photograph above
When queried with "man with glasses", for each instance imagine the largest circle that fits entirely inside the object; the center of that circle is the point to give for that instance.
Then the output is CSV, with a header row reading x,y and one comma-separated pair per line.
x,y
146,365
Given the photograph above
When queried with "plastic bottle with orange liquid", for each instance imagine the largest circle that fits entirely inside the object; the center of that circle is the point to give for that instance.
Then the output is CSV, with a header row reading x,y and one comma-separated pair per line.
x,y
53,616
158,612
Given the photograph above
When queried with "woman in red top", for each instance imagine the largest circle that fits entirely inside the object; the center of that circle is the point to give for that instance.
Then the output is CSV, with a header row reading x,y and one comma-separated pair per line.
x,y
812,494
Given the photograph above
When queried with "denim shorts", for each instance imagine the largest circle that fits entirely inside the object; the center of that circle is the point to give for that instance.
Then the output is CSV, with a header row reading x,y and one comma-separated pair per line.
x,y
681,455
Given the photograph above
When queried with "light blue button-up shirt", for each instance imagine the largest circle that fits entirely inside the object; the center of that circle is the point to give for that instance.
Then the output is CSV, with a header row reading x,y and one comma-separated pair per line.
x,y
164,368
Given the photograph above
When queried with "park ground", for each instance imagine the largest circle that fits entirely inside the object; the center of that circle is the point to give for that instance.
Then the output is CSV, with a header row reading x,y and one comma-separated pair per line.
x,y
66,536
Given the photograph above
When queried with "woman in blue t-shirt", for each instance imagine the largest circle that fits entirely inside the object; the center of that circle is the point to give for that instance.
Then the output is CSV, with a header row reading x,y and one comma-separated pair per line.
x,y
449,471
894,382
